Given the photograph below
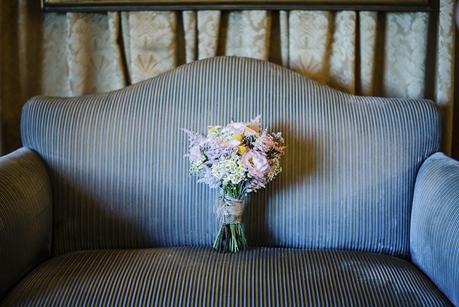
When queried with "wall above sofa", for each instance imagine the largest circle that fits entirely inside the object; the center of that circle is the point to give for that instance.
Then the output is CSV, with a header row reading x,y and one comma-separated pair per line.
x,y
359,52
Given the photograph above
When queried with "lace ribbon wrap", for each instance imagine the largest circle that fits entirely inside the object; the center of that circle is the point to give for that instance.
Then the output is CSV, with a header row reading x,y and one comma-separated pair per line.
x,y
229,210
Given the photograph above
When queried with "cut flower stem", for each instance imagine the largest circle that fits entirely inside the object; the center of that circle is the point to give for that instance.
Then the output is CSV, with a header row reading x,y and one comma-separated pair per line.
x,y
230,238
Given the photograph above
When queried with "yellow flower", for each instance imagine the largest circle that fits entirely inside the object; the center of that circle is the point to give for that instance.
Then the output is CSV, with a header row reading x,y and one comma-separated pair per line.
x,y
238,136
241,150
213,130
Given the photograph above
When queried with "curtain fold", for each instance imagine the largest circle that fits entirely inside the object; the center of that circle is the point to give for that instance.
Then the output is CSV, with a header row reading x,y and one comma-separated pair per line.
x,y
342,58
152,42
189,27
363,53
309,43
248,34
405,54
93,54
208,32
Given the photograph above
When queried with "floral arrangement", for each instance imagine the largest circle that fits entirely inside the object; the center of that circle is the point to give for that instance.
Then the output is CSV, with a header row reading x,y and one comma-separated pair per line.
x,y
238,159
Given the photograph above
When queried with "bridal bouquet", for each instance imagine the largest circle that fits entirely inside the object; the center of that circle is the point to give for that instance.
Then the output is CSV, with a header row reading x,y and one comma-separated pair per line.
x,y
238,159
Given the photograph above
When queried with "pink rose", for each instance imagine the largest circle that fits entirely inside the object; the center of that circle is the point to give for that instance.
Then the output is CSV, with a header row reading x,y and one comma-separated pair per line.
x,y
256,163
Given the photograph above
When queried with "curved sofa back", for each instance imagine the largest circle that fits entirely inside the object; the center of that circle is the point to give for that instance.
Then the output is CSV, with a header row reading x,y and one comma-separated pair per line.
x,y
120,179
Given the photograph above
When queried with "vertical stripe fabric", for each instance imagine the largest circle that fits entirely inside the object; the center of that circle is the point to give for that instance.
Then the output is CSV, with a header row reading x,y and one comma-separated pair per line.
x,y
435,223
120,178
202,277
25,216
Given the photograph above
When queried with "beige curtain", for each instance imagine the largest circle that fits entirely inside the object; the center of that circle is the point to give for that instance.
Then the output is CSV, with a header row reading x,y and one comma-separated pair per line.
x,y
73,54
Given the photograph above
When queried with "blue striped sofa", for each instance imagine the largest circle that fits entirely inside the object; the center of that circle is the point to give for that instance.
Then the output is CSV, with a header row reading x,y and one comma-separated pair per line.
x,y
98,208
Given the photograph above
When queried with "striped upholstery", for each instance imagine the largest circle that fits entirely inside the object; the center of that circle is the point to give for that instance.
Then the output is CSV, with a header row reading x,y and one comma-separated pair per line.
x,y
120,179
435,223
202,277
25,216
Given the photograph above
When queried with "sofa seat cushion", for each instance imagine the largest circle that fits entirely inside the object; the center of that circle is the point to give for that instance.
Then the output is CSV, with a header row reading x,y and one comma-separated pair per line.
x,y
201,276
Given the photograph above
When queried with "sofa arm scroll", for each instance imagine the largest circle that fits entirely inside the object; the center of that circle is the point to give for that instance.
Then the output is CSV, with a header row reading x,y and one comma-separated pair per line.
x,y
25,215
434,235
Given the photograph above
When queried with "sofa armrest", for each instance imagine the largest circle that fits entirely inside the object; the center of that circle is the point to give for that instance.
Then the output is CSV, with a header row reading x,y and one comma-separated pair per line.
x,y
25,215
434,237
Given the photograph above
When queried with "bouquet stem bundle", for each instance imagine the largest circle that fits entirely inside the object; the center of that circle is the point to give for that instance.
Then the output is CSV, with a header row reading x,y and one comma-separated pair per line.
x,y
231,237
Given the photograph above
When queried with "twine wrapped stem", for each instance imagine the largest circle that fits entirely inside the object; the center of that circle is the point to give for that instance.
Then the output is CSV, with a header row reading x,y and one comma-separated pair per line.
x,y
229,210
231,237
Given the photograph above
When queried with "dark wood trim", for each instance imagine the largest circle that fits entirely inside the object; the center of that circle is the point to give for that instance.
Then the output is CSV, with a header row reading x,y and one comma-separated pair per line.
x,y
455,124
222,34
431,51
387,6
124,60
180,40
378,84
358,58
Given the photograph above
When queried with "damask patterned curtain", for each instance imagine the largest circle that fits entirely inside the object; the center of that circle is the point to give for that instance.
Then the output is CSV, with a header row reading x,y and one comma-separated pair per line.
x,y
73,54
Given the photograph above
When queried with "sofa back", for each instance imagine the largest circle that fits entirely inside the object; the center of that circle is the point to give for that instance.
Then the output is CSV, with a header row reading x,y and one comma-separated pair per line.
x,y
120,179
